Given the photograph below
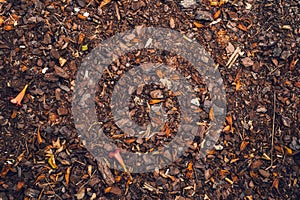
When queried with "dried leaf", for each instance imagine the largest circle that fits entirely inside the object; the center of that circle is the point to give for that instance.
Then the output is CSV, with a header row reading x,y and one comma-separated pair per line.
x,y
81,193
18,99
243,145
129,141
39,138
156,101
229,120
84,47
190,166
275,184
14,114
217,14
211,114
1,20
118,179
172,23
90,168
8,27
238,85
288,150
67,175
62,61
242,27
104,2
19,186
81,38
80,16
51,161
198,25
107,190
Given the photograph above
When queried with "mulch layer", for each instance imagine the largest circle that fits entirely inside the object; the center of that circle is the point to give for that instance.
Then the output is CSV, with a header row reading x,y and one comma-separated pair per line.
x,y
255,45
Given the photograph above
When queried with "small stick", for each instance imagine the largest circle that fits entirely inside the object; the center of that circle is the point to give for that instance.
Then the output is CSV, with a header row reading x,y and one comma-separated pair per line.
x,y
273,130
233,57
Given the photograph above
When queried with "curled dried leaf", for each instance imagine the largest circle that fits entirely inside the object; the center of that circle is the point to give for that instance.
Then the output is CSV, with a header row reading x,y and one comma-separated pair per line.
x,y
17,100
104,2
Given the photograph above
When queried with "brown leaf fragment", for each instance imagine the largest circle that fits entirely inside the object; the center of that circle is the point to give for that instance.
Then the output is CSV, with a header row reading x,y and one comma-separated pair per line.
x,y
275,184
61,72
264,173
116,190
247,62
256,164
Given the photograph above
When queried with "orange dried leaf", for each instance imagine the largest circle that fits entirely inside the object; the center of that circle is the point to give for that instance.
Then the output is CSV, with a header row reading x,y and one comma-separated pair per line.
x,y
243,145
67,175
238,85
81,38
288,150
14,114
229,120
104,2
1,20
226,128
118,179
155,101
8,28
275,184
214,3
80,16
107,190
242,27
129,141
159,73
217,14
19,185
198,25
190,166
17,100
40,177
39,138
211,114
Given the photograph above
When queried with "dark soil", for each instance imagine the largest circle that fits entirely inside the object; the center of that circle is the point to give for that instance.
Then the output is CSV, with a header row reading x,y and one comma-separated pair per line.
x,y
43,43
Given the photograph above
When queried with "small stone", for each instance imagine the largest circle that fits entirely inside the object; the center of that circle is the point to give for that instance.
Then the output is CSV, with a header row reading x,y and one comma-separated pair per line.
x,y
204,15
261,109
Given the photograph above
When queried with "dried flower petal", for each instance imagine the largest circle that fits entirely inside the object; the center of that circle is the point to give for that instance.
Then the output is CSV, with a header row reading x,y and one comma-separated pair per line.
x,y
17,100
118,157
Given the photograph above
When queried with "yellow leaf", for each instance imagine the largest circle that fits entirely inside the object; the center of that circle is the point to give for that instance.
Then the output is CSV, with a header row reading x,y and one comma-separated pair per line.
x,y
51,161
